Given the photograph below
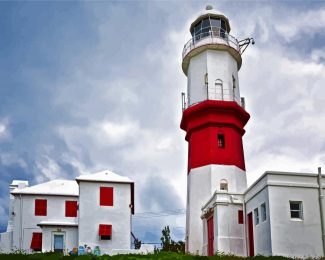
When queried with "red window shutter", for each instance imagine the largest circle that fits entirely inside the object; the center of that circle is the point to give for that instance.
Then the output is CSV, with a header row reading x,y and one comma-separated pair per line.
x,y
240,217
36,243
71,208
106,196
40,207
105,230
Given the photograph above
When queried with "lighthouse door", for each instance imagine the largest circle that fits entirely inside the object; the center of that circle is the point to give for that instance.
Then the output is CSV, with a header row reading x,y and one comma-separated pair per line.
x,y
250,234
210,236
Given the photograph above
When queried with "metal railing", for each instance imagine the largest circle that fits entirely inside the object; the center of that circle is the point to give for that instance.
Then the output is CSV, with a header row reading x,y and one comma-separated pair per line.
x,y
218,36
226,97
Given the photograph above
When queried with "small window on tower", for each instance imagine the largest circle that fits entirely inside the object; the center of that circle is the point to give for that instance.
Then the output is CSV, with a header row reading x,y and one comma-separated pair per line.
x,y
224,185
221,141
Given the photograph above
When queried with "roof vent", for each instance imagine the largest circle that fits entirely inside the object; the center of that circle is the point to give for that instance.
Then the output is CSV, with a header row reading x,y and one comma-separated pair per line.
x,y
209,7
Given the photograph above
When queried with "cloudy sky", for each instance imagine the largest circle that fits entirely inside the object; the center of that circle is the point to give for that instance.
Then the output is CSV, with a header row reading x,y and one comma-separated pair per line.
x,y
86,86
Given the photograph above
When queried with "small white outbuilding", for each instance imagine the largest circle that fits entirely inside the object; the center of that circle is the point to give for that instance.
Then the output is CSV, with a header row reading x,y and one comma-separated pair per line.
x,y
94,212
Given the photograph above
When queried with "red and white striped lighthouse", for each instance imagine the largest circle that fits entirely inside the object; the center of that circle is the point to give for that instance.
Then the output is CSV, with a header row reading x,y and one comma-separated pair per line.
x,y
213,119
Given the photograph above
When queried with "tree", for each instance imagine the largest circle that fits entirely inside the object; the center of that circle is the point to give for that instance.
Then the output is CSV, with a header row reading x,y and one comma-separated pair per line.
x,y
169,245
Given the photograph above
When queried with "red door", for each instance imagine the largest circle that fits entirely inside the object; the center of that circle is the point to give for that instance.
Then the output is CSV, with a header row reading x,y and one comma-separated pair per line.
x,y
210,236
250,234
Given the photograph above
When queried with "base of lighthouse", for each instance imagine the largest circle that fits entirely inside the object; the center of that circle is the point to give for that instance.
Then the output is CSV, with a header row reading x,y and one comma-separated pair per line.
x,y
215,210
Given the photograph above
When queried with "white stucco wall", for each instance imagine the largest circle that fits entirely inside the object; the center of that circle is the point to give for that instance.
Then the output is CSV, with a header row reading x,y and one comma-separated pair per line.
x,y
218,65
5,242
279,234
26,224
262,231
202,183
295,237
70,237
92,214
229,234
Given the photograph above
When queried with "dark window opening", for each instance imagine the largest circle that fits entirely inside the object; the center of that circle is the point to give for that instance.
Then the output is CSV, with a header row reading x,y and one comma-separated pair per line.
x,y
224,185
221,141
296,209
105,237
240,217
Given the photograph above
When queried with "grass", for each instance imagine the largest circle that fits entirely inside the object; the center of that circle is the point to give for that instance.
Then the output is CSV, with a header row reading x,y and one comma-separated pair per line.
x,y
156,256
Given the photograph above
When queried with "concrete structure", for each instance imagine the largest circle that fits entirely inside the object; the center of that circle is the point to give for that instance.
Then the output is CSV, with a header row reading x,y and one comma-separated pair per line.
x,y
281,213
93,210
286,213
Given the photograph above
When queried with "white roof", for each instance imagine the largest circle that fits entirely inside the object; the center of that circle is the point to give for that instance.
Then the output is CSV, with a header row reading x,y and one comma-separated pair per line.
x,y
57,223
104,176
55,187
16,182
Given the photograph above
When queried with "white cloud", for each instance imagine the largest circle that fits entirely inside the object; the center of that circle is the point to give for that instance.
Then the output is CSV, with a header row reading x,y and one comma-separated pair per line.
x,y
301,24
4,129
284,97
48,169
117,133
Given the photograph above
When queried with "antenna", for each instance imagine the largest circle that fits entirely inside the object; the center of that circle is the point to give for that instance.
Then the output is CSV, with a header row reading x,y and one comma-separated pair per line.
x,y
243,44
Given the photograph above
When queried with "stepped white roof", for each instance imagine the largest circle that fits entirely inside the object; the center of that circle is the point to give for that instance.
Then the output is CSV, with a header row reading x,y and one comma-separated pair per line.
x,y
55,187
57,223
104,176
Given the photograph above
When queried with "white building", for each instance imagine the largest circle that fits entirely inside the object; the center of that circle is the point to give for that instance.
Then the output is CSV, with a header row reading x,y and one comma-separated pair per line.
x,y
60,215
281,213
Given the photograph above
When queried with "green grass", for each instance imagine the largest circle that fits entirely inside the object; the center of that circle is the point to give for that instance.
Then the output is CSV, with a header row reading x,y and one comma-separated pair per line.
x,y
157,256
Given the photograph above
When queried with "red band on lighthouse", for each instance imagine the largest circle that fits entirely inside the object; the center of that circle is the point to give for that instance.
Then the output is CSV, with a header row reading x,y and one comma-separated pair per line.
x,y
214,131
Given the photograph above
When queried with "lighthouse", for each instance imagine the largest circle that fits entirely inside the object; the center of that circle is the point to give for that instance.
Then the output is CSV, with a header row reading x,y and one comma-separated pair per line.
x,y
213,118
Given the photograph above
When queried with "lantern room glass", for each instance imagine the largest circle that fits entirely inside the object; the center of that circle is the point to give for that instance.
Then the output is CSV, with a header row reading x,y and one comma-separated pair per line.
x,y
207,26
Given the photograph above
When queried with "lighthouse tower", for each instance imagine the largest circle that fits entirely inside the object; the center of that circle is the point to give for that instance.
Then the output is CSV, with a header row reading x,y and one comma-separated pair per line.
x,y
213,118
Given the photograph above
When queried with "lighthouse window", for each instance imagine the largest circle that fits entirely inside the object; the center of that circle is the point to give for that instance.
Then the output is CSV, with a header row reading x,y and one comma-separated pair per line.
x,y
224,185
221,141
223,25
215,22
233,87
197,28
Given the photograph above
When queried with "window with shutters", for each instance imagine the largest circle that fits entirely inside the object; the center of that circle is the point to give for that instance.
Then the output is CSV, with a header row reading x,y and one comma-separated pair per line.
x,y
106,196
71,208
105,231
40,207
36,243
